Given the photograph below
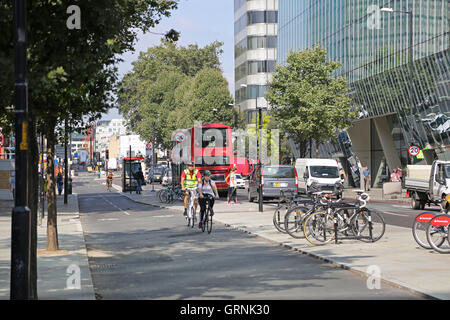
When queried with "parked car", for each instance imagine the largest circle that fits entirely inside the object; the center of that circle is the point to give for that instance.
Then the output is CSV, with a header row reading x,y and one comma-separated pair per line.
x,y
274,179
156,175
240,182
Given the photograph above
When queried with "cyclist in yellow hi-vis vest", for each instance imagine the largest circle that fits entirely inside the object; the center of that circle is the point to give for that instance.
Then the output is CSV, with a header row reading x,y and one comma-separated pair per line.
x,y
189,181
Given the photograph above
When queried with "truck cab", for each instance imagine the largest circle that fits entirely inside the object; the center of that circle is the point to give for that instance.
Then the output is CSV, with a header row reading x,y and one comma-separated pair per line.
x,y
440,179
428,184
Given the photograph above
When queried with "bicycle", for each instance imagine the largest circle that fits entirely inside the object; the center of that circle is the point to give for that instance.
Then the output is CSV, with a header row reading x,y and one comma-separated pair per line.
x,y
420,226
191,217
285,204
207,217
321,228
438,233
108,184
295,216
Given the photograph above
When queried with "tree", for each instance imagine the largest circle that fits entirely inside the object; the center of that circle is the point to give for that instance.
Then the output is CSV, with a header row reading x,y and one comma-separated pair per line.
x,y
210,99
307,100
71,73
161,85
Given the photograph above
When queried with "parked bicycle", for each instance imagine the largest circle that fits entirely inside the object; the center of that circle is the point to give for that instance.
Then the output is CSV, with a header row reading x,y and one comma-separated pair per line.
x,y
287,201
345,220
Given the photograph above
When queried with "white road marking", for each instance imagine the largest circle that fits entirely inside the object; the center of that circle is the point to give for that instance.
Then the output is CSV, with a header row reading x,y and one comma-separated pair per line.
x,y
167,216
396,214
110,219
398,206
115,206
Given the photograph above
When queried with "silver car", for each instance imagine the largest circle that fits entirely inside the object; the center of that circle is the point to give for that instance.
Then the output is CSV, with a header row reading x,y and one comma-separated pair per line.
x,y
274,179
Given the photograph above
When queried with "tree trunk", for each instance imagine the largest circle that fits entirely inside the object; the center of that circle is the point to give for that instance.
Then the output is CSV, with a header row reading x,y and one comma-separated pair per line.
x,y
317,149
52,229
33,180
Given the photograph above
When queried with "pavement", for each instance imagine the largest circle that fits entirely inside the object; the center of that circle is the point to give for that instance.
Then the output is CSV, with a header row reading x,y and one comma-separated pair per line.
x,y
396,257
62,275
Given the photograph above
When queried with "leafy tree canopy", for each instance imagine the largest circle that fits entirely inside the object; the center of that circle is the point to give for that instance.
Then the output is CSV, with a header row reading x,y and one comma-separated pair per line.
x,y
307,100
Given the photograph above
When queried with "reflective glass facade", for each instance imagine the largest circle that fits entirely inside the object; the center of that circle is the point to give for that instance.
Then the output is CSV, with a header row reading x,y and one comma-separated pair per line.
x,y
373,47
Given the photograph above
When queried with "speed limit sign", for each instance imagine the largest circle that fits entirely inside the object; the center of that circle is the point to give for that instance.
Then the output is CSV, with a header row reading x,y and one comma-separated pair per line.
x,y
413,150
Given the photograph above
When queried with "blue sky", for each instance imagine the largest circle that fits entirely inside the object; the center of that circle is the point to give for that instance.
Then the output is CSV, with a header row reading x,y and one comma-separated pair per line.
x,y
200,22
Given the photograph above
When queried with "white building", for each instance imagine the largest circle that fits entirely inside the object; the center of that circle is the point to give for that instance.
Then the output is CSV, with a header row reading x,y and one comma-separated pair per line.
x,y
104,130
137,145
255,40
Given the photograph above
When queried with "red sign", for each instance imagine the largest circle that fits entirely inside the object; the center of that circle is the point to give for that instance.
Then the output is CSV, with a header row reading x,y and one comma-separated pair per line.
x,y
425,217
441,220
413,150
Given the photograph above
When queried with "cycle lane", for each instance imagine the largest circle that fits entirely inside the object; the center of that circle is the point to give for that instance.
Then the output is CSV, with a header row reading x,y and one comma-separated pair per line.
x,y
397,257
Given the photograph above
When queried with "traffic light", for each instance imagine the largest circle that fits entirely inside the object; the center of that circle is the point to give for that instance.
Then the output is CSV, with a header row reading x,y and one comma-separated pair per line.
x,y
107,154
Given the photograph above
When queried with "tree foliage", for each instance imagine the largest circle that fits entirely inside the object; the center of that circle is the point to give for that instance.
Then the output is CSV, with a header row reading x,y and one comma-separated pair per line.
x,y
170,87
307,100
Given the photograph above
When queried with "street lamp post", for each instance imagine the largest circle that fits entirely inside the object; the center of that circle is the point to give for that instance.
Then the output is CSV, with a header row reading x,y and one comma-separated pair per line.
x,y
411,61
21,217
258,144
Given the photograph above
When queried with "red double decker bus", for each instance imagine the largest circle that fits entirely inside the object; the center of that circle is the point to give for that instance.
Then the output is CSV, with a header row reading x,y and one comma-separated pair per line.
x,y
212,149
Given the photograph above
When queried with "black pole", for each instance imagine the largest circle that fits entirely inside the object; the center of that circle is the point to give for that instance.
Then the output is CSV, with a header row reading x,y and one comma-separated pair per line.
x,y
411,83
21,218
130,169
260,198
66,167
153,156
42,182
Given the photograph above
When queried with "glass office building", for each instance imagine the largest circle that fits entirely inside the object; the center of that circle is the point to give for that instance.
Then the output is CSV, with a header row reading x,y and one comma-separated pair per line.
x,y
255,40
373,46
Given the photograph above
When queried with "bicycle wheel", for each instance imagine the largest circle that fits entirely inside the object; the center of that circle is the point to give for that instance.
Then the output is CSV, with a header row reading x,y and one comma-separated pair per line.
x,y
209,222
192,217
319,228
368,226
437,237
163,196
293,222
278,220
204,219
419,229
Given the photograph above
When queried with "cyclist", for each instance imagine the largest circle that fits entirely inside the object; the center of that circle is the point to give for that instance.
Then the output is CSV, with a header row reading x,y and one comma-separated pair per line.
x,y
109,179
206,186
189,181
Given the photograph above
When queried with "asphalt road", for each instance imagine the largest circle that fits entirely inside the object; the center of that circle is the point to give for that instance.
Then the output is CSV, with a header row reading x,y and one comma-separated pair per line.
x,y
142,252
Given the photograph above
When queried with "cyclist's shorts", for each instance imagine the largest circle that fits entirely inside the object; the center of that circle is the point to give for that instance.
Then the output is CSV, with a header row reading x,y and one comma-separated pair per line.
x,y
195,192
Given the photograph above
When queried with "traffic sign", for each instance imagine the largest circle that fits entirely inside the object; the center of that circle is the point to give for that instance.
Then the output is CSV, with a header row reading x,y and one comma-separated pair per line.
x,y
180,136
413,150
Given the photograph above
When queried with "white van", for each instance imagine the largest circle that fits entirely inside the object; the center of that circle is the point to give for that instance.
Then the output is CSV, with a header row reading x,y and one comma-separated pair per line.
x,y
324,172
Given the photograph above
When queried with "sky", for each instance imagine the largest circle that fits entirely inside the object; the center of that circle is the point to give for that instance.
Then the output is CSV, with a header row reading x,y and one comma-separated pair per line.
x,y
200,22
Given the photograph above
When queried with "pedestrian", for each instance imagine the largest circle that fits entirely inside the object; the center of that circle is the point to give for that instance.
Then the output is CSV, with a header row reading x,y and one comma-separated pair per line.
x,y
394,176
366,174
233,186
139,176
59,182
400,174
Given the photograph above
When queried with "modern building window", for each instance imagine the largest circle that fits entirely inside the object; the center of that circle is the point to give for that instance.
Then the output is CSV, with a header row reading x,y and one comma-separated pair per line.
x,y
253,17
254,67
251,92
254,43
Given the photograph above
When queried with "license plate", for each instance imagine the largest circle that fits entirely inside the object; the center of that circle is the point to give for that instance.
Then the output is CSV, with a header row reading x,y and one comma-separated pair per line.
x,y
280,185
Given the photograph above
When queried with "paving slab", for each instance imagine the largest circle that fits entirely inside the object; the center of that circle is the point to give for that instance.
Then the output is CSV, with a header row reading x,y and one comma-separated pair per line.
x,y
57,272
